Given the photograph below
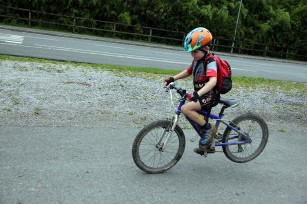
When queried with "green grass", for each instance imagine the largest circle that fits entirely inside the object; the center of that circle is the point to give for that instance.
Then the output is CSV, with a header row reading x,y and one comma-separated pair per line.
x,y
271,85
99,66
37,111
154,73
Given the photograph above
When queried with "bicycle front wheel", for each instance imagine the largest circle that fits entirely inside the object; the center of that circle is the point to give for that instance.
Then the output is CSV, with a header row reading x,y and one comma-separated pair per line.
x,y
150,152
255,128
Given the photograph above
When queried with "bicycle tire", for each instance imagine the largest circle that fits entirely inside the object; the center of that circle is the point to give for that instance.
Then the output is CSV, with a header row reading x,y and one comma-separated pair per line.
x,y
240,153
154,160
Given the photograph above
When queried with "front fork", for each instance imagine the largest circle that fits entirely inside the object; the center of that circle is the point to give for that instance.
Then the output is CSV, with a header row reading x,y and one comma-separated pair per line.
x,y
167,133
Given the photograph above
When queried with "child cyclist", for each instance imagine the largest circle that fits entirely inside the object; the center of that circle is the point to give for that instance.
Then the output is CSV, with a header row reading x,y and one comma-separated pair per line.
x,y
205,94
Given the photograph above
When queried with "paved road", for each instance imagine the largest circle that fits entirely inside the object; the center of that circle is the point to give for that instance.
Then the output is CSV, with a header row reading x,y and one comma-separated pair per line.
x,y
71,48
94,165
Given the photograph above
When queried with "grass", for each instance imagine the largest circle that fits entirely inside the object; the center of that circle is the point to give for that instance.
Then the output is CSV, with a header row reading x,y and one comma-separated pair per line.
x,y
270,84
98,66
154,73
37,111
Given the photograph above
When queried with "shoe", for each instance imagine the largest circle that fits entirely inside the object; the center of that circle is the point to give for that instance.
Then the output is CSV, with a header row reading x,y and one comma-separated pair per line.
x,y
201,152
211,150
206,137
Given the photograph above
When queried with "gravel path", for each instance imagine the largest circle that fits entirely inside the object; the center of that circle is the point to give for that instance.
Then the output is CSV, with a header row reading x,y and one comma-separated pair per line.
x,y
47,94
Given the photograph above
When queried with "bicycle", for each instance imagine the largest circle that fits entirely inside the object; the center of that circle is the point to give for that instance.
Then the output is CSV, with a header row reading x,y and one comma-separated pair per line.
x,y
161,144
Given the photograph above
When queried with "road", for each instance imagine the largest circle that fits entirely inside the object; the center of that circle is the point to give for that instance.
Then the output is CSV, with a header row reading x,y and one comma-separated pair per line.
x,y
127,53
94,165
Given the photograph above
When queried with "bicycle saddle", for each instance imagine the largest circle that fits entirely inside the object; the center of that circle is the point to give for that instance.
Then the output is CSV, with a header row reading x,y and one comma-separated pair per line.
x,y
229,103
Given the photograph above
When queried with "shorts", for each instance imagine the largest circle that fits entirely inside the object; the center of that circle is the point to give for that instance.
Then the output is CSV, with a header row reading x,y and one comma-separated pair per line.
x,y
209,100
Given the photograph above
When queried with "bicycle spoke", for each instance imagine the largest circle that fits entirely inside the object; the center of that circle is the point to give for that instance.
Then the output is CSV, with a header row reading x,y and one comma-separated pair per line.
x,y
153,154
253,132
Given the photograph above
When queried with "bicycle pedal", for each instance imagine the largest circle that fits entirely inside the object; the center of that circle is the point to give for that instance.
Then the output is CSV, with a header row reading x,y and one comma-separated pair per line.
x,y
205,151
200,152
205,154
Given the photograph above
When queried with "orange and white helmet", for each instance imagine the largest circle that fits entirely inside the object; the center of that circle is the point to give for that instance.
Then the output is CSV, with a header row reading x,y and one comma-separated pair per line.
x,y
197,38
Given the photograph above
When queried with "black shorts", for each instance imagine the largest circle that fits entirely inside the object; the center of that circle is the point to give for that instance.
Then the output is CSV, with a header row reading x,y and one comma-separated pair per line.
x,y
209,100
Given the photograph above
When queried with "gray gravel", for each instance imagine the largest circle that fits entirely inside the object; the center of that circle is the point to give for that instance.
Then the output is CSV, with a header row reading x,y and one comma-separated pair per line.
x,y
48,94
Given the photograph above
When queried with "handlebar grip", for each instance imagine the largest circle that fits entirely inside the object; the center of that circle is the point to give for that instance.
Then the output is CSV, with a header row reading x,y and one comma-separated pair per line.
x,y
180,91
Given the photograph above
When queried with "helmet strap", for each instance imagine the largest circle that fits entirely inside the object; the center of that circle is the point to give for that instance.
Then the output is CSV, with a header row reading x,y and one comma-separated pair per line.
x,y
205,52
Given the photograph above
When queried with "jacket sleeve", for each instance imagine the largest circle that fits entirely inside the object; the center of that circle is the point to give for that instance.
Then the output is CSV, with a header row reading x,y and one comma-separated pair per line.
x,y
211,68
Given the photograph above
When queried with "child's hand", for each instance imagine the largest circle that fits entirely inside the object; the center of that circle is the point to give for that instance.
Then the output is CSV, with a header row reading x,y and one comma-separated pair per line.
x,y
167,81
193,96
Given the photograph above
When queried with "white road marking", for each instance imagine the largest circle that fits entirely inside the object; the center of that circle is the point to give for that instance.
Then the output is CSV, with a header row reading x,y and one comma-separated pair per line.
x,y
110,54
247,70
40,38
17,39
108,46
167,53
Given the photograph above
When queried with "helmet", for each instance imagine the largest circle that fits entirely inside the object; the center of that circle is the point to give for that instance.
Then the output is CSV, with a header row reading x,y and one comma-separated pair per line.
x,y
197,38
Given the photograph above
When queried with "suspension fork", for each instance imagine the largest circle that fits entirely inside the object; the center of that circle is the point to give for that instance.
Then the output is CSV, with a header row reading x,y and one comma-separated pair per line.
x,y
167,133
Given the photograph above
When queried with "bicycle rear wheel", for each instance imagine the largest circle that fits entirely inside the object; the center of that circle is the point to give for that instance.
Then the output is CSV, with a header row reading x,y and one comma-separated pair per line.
x,y
148,151
255,128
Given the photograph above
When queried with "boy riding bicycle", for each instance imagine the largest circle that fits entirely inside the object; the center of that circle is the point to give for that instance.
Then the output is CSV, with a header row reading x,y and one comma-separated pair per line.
x,y
205,94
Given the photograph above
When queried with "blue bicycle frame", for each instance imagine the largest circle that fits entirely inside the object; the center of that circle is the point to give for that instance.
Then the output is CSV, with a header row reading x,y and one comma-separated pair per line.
x,y
219,120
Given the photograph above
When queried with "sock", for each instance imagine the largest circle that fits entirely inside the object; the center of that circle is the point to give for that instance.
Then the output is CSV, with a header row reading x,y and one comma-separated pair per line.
x,y
206,126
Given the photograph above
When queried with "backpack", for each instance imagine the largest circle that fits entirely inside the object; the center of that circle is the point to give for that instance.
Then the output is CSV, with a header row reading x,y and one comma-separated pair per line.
x,y
224,82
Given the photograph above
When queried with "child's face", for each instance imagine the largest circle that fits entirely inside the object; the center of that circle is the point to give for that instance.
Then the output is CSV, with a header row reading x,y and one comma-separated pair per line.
x,y
197,54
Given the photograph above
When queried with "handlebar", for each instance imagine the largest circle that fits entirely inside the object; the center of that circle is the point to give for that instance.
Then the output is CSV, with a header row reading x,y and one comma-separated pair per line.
x,y
180,91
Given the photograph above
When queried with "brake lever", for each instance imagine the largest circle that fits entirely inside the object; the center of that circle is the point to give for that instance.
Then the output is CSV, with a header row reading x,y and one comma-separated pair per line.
x,y
182,92
166,89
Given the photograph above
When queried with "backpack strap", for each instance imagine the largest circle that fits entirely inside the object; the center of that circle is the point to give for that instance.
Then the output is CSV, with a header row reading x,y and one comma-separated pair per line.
x,y
210,56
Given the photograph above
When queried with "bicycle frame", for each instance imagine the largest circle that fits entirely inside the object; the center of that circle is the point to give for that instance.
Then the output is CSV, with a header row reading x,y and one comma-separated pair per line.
x,y
219,120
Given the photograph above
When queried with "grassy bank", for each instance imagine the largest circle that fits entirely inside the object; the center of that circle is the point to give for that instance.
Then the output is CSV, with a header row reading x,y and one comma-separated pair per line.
x,y
275,100
155,73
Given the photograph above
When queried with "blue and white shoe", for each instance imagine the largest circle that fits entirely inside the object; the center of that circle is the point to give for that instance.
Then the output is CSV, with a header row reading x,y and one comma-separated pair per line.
x,y
205,137
205,144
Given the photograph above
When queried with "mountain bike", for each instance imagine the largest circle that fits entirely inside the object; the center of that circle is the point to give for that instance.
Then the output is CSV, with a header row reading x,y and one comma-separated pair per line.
x,y
161,144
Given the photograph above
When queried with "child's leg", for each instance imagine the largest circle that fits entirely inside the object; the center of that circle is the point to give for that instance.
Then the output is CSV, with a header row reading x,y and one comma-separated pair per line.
x,y
189,109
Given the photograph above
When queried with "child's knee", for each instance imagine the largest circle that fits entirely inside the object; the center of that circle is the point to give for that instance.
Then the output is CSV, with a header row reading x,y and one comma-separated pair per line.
x,y
184,109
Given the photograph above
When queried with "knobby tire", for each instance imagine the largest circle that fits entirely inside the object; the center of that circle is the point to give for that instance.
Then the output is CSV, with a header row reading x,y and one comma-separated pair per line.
x,y
256,128
148,157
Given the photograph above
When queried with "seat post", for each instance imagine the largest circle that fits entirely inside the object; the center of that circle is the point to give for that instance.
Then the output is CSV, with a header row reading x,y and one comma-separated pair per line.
x,y
221,114
207,118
